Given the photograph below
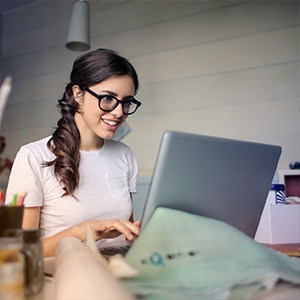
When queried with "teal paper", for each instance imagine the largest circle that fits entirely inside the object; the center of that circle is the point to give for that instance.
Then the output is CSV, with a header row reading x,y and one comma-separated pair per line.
x,y
184,256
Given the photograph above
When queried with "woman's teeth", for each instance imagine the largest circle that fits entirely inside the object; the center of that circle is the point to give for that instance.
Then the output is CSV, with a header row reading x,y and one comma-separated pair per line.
x,y
109,122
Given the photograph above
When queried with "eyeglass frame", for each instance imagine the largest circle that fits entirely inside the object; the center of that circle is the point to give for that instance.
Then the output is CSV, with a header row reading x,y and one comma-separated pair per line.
x,y
118,101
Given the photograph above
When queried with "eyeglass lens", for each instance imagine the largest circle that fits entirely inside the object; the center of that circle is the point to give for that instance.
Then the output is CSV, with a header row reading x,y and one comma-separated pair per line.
x,y
109,103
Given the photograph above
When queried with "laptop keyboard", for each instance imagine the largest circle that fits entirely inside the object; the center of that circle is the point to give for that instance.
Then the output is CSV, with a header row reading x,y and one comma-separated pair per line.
x,y
109,251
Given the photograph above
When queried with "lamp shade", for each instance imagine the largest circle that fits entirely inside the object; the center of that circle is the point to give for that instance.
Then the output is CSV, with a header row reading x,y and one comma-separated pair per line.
x,y
79,30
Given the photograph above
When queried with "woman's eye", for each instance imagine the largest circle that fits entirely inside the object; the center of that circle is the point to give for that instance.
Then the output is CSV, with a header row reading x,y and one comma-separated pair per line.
x,y
108,98
127,104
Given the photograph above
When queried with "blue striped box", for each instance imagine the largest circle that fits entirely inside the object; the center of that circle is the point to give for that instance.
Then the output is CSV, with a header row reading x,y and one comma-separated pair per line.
x,y
279,193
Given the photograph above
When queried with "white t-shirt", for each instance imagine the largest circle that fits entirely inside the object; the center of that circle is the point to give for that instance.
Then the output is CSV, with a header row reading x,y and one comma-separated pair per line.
x,y
107,178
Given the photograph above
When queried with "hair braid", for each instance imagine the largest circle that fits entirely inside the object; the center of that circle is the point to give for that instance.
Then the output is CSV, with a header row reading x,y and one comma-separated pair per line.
x,y
65,143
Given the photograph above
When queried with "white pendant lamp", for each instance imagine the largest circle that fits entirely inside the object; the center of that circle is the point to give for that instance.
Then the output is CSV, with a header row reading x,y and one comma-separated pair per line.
x,y
79,30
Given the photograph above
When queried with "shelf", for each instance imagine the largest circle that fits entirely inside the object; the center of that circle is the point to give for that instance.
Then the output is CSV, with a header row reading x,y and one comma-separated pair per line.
x,y
291,180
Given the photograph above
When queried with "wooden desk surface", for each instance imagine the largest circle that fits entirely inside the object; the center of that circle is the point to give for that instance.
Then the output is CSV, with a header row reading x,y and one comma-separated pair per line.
x,y
289,249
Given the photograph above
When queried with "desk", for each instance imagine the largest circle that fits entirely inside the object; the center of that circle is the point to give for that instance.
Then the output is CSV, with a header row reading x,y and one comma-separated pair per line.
x,y
289,249
281,291
48,292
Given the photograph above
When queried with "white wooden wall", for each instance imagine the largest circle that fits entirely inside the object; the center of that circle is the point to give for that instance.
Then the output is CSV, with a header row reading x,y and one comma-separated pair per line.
x,y
219,68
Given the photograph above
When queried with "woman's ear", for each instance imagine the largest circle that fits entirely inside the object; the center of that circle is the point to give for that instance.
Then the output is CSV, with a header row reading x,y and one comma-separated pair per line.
x,y
77,93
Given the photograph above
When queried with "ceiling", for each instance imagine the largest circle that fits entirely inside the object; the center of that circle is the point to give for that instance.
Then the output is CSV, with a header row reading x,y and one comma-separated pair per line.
x,y
9,5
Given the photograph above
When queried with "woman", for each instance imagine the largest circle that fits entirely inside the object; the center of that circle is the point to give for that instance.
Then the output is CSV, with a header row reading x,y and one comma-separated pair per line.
x,y
78,176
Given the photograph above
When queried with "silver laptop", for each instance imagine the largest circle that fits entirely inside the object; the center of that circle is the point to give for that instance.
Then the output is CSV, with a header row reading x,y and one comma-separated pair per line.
x,y
219,178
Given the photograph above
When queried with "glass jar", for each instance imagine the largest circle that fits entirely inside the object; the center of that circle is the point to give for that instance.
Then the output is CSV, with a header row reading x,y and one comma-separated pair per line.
x,y
34,264
11,268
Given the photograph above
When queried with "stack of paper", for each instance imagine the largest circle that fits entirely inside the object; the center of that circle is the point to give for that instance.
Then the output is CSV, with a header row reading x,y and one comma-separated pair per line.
x,y
184,256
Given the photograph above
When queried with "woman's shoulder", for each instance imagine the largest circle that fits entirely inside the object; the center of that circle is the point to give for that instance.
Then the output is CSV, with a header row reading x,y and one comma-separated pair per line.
x,y
38,144
38,148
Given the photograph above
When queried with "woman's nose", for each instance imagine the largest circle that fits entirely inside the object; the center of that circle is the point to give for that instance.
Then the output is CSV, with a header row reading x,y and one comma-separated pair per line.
x,y
118,111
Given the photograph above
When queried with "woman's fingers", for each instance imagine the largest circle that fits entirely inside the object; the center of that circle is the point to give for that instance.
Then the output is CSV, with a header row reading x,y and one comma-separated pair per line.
x,y
138,223
98,225
114,228
124,228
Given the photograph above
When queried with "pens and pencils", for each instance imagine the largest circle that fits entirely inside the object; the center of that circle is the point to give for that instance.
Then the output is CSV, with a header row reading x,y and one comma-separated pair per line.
x,y
14,200
17,199
1,197
11,213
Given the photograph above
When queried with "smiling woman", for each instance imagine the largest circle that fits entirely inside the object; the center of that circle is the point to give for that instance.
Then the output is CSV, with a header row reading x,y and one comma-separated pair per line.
x,y
79,176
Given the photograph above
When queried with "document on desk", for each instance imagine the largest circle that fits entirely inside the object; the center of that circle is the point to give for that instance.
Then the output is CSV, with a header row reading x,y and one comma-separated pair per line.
x,y
184,256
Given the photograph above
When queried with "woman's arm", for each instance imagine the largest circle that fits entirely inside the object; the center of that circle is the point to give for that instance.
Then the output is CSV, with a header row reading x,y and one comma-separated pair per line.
x,y
31,217
100,229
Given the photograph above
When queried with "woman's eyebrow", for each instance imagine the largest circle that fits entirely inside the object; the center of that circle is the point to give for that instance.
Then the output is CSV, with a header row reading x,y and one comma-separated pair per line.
x,y
114,94
109,92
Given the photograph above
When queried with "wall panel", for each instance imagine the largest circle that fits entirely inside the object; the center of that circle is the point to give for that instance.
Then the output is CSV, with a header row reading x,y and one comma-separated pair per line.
x,y
226,68
251,85
199,26
222,56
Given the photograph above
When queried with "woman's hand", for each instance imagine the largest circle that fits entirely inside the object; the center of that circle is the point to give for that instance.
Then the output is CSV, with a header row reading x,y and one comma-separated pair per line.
x,y
100,229
107,229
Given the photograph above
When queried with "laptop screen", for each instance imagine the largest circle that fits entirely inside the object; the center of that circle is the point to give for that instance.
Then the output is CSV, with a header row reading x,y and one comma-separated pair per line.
x,y
219,178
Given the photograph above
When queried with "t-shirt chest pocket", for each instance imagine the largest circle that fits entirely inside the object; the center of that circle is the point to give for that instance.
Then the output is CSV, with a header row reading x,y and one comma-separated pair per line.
x,y
118,184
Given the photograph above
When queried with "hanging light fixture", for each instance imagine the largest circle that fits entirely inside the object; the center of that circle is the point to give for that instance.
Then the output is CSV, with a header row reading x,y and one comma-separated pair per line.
x,y
79,30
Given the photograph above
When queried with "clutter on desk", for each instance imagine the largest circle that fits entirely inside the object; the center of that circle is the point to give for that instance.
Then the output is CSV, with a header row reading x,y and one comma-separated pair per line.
x,y
12,277
34,266
19,250
11,217
185,256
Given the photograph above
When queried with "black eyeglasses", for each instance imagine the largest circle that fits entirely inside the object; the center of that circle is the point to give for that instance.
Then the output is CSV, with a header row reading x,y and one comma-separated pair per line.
x,y
108,103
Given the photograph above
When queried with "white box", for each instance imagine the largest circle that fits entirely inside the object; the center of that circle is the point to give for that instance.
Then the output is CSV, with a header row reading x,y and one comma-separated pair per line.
x,y
279,224
285,224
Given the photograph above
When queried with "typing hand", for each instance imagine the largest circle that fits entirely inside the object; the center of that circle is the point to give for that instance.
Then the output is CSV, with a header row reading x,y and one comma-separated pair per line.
x,y
108,229
116,228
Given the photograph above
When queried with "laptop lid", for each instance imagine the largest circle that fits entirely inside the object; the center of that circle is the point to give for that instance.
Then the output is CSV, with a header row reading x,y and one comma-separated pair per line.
x,y
219,178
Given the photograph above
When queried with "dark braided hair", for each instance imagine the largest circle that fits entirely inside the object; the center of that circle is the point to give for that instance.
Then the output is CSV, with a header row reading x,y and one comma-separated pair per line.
x,y
88,69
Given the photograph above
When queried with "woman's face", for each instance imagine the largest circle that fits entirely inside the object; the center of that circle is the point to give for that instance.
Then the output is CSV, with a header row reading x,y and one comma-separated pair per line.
x,y
92,122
